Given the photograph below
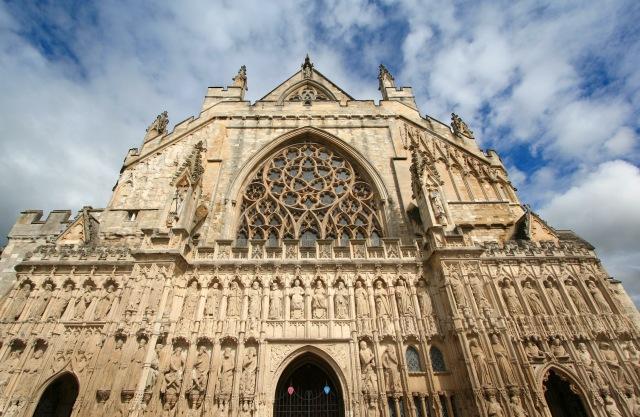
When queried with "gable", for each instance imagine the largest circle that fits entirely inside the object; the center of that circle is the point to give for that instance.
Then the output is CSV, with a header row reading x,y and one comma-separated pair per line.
x,y
308,83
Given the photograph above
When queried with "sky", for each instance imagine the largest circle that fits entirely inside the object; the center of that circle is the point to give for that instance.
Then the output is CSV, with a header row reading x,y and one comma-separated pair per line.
x,y
552,86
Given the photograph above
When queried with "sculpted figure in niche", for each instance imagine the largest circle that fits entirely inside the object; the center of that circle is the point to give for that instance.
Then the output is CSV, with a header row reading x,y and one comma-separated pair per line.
x,y
213,301
576,297
533,351
249,367
368,368
502,359
426,307
105,303
533,298
255,301
511,298
200,371
516,407
478,291
135,290
275,302
136,364
603,305
10,365
381,300
494,409
19,301
319,301
390,366
173,378
458,290
362,301
611,360
154,366
555,298
60,303
341,301
557,348
112,366
41,301
480,361
403,298
234,301
226,371
633,356
83,302
191,299
611,408
297,300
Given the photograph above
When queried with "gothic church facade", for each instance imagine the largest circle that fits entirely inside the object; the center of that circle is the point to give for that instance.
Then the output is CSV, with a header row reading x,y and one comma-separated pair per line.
x,y
310,254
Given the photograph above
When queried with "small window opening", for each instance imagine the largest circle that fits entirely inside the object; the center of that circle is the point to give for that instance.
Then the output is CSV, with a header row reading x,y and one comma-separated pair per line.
x,y
132,215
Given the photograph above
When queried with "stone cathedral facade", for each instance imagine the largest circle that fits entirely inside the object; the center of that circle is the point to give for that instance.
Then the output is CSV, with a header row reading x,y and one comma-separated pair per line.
x,y
310,254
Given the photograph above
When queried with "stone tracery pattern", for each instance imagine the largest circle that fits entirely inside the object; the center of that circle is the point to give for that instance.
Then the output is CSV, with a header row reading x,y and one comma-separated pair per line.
x,y
307,191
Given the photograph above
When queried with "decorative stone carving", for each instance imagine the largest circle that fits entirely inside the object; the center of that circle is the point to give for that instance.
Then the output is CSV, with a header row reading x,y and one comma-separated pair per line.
x,y
19,301
227,369
555,298
502,360
319,301
557,348
275,302
478,291
426,306
105,302
511,298
460,127
240,80
234,300
494,409
172,379
533,299
517,410
385,78
601,302
403,299
199,376
390,366
611,408
480,363
83,302
341,301
213,301
191,300
362,301
249,367
533,351
41,301
458,289
383,310
135,364
297,300
368,369
576,297
611,360
112,364
159,125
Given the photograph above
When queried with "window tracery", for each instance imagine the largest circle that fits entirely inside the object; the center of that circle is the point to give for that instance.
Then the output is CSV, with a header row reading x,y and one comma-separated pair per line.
x,y
413,359
437,360
308,93
307,191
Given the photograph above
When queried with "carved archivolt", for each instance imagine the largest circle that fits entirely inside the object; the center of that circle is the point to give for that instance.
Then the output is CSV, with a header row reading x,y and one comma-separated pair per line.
x,y
307,191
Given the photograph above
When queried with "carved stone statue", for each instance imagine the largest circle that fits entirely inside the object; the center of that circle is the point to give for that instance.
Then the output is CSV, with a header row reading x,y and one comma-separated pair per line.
x,y
385,78
240,80
19,301
172,378
494,409
10,365
480,362
111,368
191,299
533,298
390,366
249,367
557,348
200,371
341,301
403,299
576,297
255,301
297,300
136,364
437,206
611,408
516,407
459,126
533,351
478,291
226,371
381,300
555,298
213,301
511,298
105,303
41,301
234,300
83,302
458,290
60,302
601,302
362,301
319,301
610,358
633,356
275,302
154,365
368,368
502,360
160,123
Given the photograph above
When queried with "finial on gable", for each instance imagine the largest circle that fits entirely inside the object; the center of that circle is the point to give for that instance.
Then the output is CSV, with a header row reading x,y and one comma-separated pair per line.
x,y
307,67
240,80
459,127
385,78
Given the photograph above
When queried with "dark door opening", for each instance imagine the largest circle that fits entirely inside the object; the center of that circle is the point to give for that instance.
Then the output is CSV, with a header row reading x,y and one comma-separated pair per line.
x,y
561,400
59,397
308,388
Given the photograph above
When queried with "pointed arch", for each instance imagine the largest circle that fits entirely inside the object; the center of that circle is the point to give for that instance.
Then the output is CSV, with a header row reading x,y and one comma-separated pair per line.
x,y
251,168
573,384
307,83
57,395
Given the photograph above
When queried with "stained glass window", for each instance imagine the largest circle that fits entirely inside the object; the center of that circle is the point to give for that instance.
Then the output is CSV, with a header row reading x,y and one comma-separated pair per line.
x,y
437,360
413,360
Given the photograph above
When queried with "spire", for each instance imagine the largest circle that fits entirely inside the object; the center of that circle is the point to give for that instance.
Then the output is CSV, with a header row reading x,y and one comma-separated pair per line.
x,y
307,67
240,80
385,78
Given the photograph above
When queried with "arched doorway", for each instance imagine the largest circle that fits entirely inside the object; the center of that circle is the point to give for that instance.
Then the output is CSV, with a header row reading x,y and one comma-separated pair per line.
x,y
58,399
308,387
561,399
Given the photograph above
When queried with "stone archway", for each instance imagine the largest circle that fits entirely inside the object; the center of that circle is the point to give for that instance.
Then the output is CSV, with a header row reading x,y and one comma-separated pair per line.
x,y
308,387
561,397
58,398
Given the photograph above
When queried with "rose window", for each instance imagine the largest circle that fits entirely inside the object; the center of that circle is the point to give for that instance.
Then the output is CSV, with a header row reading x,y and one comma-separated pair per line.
x,y
308,192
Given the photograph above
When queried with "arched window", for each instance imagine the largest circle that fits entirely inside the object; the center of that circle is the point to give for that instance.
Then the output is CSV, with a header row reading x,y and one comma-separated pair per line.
x,y
308,191
437,360
413,360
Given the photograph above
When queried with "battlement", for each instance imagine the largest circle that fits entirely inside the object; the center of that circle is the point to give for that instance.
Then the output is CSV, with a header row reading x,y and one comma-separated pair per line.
x,y
216,95
403,95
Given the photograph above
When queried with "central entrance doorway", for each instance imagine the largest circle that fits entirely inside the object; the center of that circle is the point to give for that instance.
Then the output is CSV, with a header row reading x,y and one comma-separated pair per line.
x,y
561,399
308,387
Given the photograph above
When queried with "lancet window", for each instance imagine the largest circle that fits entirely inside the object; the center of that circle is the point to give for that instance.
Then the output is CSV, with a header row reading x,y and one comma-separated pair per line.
x,y
307,191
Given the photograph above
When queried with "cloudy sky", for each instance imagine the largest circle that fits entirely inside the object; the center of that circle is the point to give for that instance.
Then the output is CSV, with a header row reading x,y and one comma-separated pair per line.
x,y
553,86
